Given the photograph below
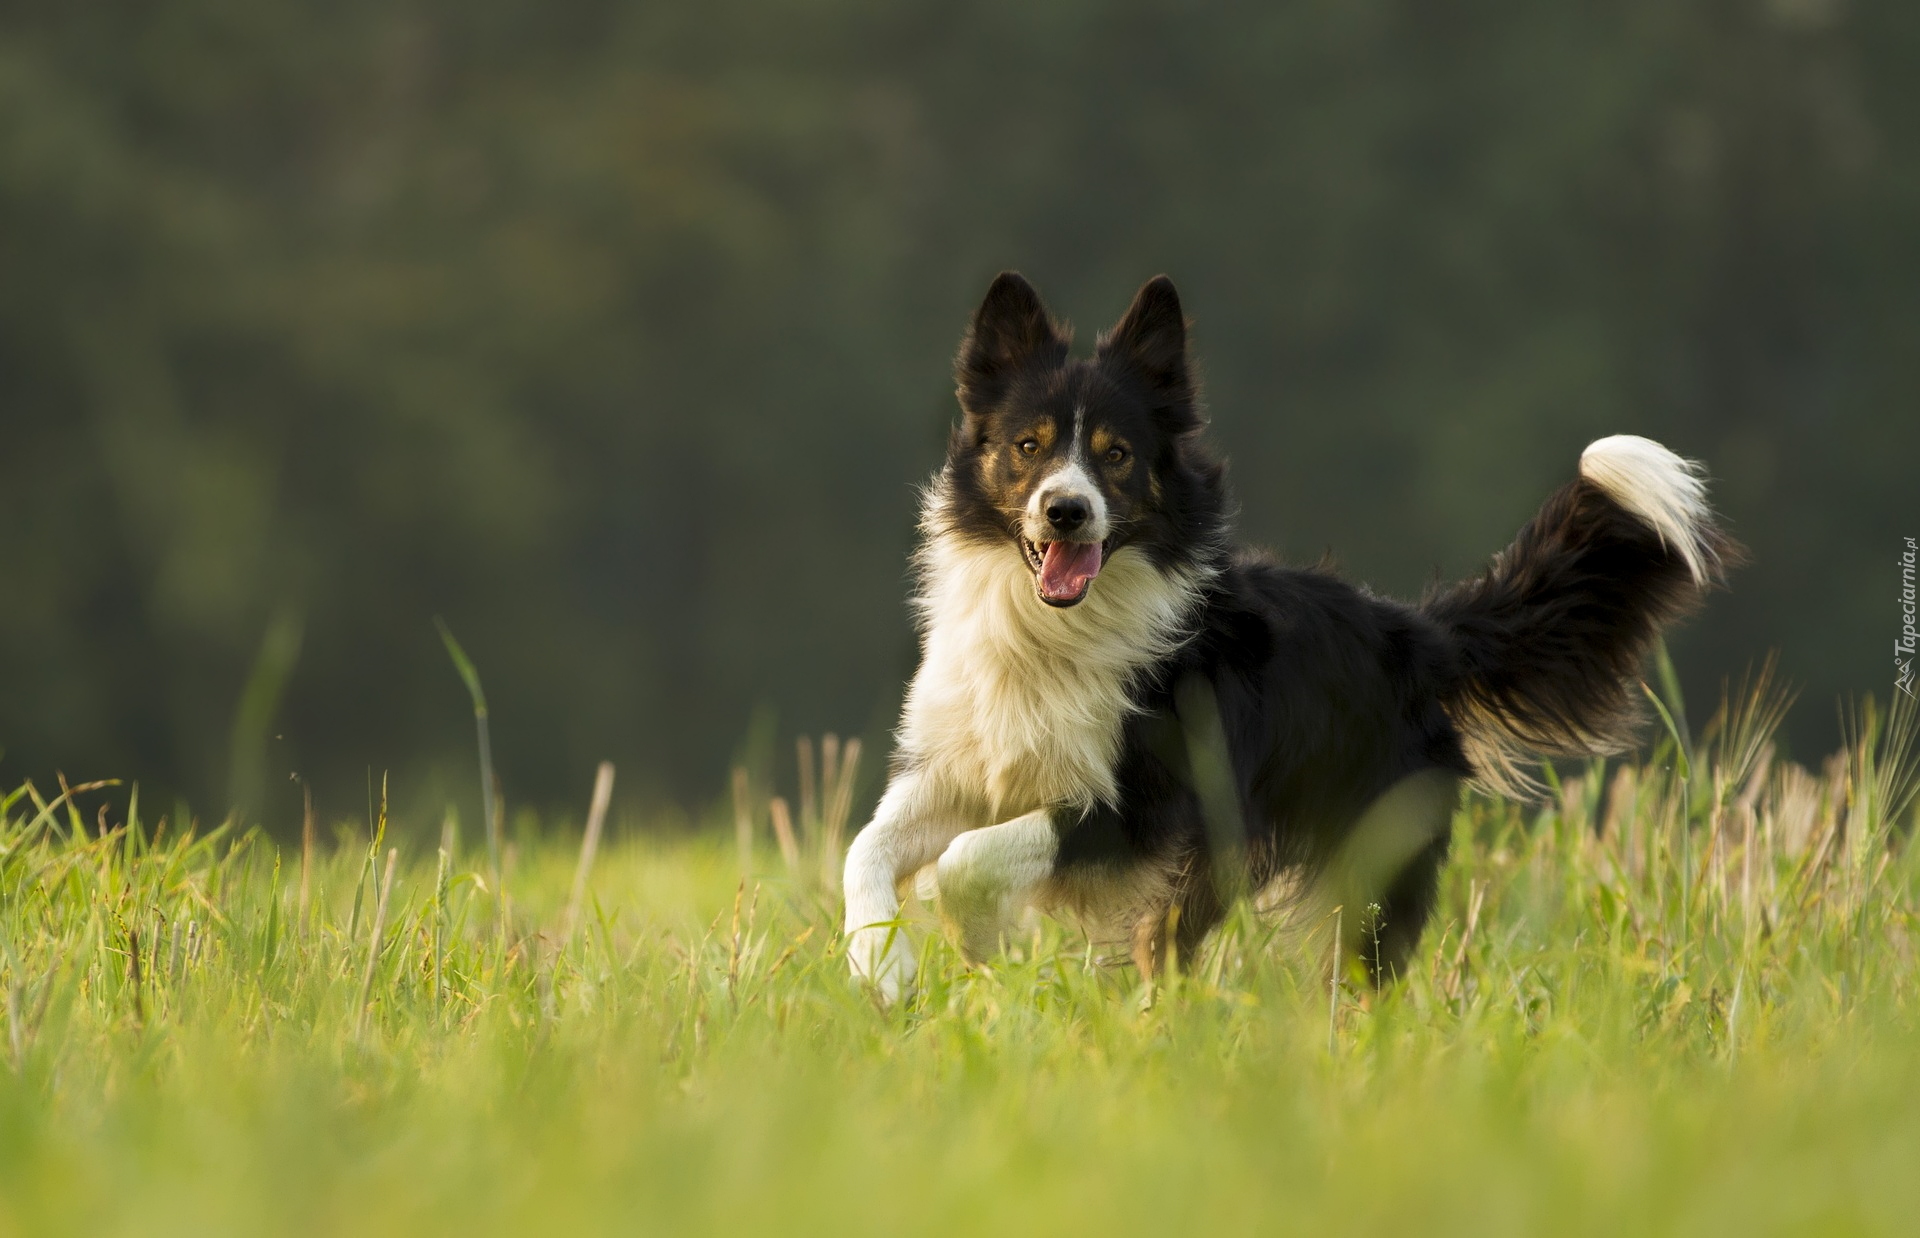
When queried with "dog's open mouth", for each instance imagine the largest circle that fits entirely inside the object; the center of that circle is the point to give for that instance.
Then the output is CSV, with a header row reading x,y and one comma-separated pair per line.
x,y
1063,571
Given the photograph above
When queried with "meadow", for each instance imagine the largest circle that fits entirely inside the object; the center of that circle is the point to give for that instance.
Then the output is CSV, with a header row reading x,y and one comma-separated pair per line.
x,y
1677,995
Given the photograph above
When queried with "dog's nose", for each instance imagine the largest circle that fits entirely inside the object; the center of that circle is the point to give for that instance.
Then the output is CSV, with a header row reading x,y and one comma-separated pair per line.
x,y
1067,513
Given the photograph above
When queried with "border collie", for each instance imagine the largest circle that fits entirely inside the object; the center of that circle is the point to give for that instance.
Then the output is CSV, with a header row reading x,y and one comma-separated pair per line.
x,y
1119,714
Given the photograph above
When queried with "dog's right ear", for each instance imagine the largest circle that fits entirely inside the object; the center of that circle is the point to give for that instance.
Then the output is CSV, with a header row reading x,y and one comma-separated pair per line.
x,y
1010,332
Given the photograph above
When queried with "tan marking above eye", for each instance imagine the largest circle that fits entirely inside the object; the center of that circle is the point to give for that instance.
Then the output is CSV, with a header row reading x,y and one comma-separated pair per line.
x,y
1109,448
1034,439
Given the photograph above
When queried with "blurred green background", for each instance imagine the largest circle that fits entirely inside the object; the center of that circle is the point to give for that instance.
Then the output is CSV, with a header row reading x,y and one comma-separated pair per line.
x,y
618,335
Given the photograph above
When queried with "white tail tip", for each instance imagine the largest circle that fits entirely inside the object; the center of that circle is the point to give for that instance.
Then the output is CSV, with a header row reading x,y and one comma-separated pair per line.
x,y
1663,489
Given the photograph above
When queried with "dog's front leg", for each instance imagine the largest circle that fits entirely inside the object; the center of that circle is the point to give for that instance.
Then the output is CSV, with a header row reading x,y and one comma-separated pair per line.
x,y
988,875
910,828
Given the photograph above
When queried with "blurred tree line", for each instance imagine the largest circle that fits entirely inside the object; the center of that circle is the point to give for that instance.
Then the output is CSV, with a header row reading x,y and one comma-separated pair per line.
x,y
618,335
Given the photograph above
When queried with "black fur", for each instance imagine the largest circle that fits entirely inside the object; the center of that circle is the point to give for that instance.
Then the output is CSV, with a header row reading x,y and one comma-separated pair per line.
x,y
1329,698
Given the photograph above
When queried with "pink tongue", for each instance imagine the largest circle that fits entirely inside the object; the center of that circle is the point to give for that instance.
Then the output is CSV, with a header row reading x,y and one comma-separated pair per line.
x,y
1067,568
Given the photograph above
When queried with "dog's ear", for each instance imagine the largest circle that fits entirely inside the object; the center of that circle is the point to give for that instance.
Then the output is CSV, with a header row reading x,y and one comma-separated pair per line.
x,y
1150,343
1010,332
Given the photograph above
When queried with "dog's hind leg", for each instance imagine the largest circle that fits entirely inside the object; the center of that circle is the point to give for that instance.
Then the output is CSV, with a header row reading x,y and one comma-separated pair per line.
x,y
1395,929
1387,876
1168,934
988,875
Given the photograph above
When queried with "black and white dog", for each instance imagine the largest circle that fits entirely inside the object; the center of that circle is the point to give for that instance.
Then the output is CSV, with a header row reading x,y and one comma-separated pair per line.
x,y
1119,714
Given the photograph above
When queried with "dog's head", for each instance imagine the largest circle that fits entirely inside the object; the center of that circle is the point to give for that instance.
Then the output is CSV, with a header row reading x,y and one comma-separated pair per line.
x,y
1066,462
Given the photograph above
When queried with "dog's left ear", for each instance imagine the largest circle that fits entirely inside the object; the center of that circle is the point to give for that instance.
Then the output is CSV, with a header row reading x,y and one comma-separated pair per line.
x,y
1150,341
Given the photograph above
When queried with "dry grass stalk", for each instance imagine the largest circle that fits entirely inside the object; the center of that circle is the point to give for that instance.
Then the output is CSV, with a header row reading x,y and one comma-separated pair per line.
x,y
1796,808
743,819
809,793
1333,984
783,833
841,766
1476,898
829,764
1623,818
825,803
589,844
133,975
443,872
786,956
737,939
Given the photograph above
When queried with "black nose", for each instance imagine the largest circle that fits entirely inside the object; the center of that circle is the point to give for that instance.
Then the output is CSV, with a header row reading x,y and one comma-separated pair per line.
x,y
1067,514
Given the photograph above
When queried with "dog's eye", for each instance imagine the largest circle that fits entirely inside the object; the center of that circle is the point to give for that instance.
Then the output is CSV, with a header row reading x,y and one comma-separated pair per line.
x,y
1028,446
1116,454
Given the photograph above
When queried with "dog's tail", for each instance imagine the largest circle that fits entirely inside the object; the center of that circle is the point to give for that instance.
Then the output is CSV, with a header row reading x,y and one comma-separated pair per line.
x,y
1550,640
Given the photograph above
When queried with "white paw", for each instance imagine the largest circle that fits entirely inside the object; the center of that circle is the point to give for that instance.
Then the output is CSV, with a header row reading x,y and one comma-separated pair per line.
x,y
882,957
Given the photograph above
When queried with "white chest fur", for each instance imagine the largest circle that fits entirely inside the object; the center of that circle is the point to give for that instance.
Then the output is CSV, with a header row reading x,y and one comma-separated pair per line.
x,y
1018,705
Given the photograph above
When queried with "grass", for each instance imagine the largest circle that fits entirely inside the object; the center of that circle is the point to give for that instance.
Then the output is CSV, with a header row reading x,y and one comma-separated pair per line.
x,y
1659,1004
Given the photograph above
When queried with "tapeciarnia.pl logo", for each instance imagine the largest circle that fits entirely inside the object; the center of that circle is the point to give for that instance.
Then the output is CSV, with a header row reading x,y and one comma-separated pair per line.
x,y
1903,645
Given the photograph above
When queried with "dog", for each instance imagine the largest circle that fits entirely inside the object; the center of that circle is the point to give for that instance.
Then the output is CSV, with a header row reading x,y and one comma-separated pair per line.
x,y
1119,714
